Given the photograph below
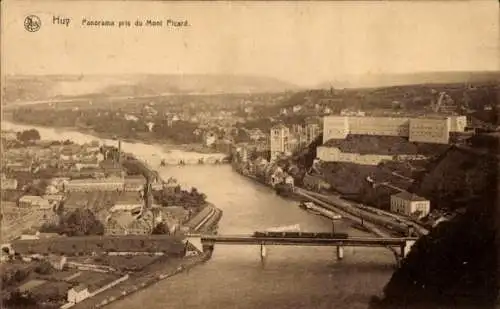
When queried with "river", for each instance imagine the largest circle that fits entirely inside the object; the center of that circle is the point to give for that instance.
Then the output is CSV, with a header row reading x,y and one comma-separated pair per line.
x,y
293,277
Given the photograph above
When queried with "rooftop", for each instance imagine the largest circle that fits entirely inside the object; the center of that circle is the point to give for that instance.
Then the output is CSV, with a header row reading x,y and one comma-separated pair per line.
x,y
410,196
93,180
129,197
32,198
80,287
279,126
383,145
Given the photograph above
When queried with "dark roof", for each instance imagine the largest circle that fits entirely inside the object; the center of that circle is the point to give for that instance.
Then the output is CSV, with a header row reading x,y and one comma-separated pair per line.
x,y
410,196
129,197
80,287
88,244
383,145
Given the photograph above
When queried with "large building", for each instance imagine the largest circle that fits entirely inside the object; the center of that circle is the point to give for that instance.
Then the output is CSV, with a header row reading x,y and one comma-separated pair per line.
x,y
279,141
286,141
429,129
313,130
424,130
90,184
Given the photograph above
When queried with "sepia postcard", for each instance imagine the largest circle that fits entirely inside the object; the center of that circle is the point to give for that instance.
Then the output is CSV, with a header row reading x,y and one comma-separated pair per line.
x,y
250,154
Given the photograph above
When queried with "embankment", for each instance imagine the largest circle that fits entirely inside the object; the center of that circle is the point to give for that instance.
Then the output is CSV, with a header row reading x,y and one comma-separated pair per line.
x,y
345,214
358,216
205,221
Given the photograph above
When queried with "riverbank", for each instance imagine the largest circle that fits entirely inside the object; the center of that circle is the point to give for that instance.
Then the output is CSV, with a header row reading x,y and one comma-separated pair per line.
x,y
203,223
137,282
248,207
297,194
167,145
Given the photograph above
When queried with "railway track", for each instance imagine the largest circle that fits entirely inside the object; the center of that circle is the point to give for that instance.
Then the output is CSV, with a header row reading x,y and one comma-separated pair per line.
x,y
379,217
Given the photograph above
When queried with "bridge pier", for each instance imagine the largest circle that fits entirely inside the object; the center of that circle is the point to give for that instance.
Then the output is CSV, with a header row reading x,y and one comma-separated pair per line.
x,y
405,249
263,253
208,248
340,252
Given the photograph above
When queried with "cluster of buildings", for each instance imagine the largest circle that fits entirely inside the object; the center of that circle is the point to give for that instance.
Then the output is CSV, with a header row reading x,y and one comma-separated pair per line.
x,y
416,130
399,136
285,140
37,179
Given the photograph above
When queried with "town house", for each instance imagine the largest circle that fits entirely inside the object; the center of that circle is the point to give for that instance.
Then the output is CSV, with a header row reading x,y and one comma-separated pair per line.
x,y
410,204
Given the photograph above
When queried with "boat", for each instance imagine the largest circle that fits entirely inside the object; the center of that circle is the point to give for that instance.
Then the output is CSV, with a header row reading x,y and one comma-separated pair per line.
x,y
163,163
308,206
313,208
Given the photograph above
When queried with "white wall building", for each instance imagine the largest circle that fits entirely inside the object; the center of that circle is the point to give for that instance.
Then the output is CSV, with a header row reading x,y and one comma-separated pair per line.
x,y
335,127
78,294
210,138
418,129
458,123
385,126
430,130
408,204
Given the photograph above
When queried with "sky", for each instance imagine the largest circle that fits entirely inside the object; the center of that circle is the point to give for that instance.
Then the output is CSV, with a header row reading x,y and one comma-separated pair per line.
x,y
304,43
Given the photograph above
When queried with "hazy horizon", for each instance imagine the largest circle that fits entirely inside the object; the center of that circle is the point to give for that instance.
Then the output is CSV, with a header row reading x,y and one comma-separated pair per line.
x,y
302,43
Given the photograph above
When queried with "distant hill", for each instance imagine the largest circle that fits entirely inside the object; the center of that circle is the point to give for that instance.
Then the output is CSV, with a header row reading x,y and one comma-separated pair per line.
x,y
33,87
384,80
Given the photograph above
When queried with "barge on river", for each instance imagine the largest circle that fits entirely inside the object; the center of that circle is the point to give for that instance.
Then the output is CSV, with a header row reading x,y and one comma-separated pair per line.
x,y
313,208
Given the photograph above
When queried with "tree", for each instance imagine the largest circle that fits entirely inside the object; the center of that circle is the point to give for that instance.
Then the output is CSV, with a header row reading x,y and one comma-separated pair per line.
x,y
161,228
44,268
28,135
81,222
50,228
21,300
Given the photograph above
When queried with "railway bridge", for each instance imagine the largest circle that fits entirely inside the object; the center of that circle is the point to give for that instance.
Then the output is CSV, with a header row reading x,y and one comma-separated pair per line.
x,y
399,246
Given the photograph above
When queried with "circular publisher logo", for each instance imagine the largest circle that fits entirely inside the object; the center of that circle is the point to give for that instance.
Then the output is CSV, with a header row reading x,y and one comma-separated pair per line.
x,y
32,23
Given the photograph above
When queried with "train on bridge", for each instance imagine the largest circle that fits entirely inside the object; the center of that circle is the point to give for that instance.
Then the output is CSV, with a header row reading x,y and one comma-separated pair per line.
x,y
302,235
